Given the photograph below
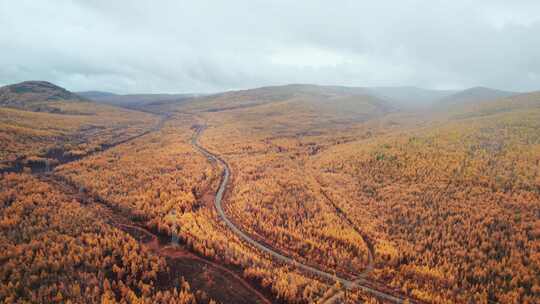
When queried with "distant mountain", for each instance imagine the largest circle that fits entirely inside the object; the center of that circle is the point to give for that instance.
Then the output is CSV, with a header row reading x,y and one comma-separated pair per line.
x,y
409,97
36,96
95,94
282,93
396,97
332,102
134,100
472,95
35,91
515,103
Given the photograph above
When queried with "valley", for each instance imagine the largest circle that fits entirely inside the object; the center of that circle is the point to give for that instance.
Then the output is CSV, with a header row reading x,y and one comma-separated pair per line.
x,y
286,194
270,152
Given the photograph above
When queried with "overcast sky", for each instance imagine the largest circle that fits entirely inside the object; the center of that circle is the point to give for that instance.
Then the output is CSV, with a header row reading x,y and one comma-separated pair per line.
x,y
208,46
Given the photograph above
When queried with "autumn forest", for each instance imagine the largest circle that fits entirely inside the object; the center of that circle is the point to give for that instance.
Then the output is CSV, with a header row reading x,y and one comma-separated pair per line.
x,y
285,194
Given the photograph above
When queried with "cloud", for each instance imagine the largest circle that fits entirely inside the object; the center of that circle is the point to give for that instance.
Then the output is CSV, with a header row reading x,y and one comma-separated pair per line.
x,y
208,46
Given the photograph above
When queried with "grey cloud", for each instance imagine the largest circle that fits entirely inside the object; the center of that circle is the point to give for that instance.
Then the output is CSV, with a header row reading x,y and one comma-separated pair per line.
x,y
207,46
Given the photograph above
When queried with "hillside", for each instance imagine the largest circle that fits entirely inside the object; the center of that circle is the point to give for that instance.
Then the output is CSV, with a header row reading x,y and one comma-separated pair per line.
x,y
318,105
472,95
409,97
433,197
134,100
95,95
423,196
503,104
39,96
74,253
41,120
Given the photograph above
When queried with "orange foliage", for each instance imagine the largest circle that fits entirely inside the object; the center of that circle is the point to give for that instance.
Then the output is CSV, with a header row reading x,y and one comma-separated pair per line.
x,y
169,185
55,250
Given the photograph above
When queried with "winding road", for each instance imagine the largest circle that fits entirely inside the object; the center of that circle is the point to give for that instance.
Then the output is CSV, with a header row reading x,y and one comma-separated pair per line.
x,y
348,284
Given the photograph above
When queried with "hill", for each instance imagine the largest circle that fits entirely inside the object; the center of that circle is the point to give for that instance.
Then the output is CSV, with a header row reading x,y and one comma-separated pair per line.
x,y
434,192
321,103
423,196
392,98
409,97
39,96
134,100
512,104
41,120
94,95
472,95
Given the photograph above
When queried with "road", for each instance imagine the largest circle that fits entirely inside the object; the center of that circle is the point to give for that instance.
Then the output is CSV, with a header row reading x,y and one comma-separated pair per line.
x,y
356,284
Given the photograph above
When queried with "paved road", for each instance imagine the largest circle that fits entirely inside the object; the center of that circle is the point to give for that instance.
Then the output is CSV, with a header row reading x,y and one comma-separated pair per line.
x,y
357,284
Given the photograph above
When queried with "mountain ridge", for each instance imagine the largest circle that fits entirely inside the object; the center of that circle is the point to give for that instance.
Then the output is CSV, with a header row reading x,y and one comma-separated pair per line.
x,y
474,94
38,96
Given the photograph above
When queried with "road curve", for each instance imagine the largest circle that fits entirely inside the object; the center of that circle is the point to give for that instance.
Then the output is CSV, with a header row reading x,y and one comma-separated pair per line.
x,y
357,284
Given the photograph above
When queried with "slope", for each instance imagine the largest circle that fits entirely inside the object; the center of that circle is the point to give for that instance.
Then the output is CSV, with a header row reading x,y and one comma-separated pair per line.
x,y
472,95
452,207
39,119
40,96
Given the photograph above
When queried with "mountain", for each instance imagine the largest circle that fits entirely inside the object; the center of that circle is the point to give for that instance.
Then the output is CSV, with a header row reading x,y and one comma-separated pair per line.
x,y
519,104
264,95
413,97
311,104
95,94
397,97
36,96
134,100
409,97
472,95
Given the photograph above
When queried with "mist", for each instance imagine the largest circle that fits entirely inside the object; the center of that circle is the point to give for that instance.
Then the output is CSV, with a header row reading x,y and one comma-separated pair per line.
x,y
210,46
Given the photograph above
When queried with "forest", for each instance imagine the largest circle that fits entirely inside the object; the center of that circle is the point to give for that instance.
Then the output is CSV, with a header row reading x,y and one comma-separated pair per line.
x,y
438,201
167,185
76,130
56,250
270,152
454,210
400,206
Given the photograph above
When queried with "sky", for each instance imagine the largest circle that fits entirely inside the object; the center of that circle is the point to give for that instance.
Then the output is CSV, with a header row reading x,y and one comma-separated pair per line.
x,y
205,46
